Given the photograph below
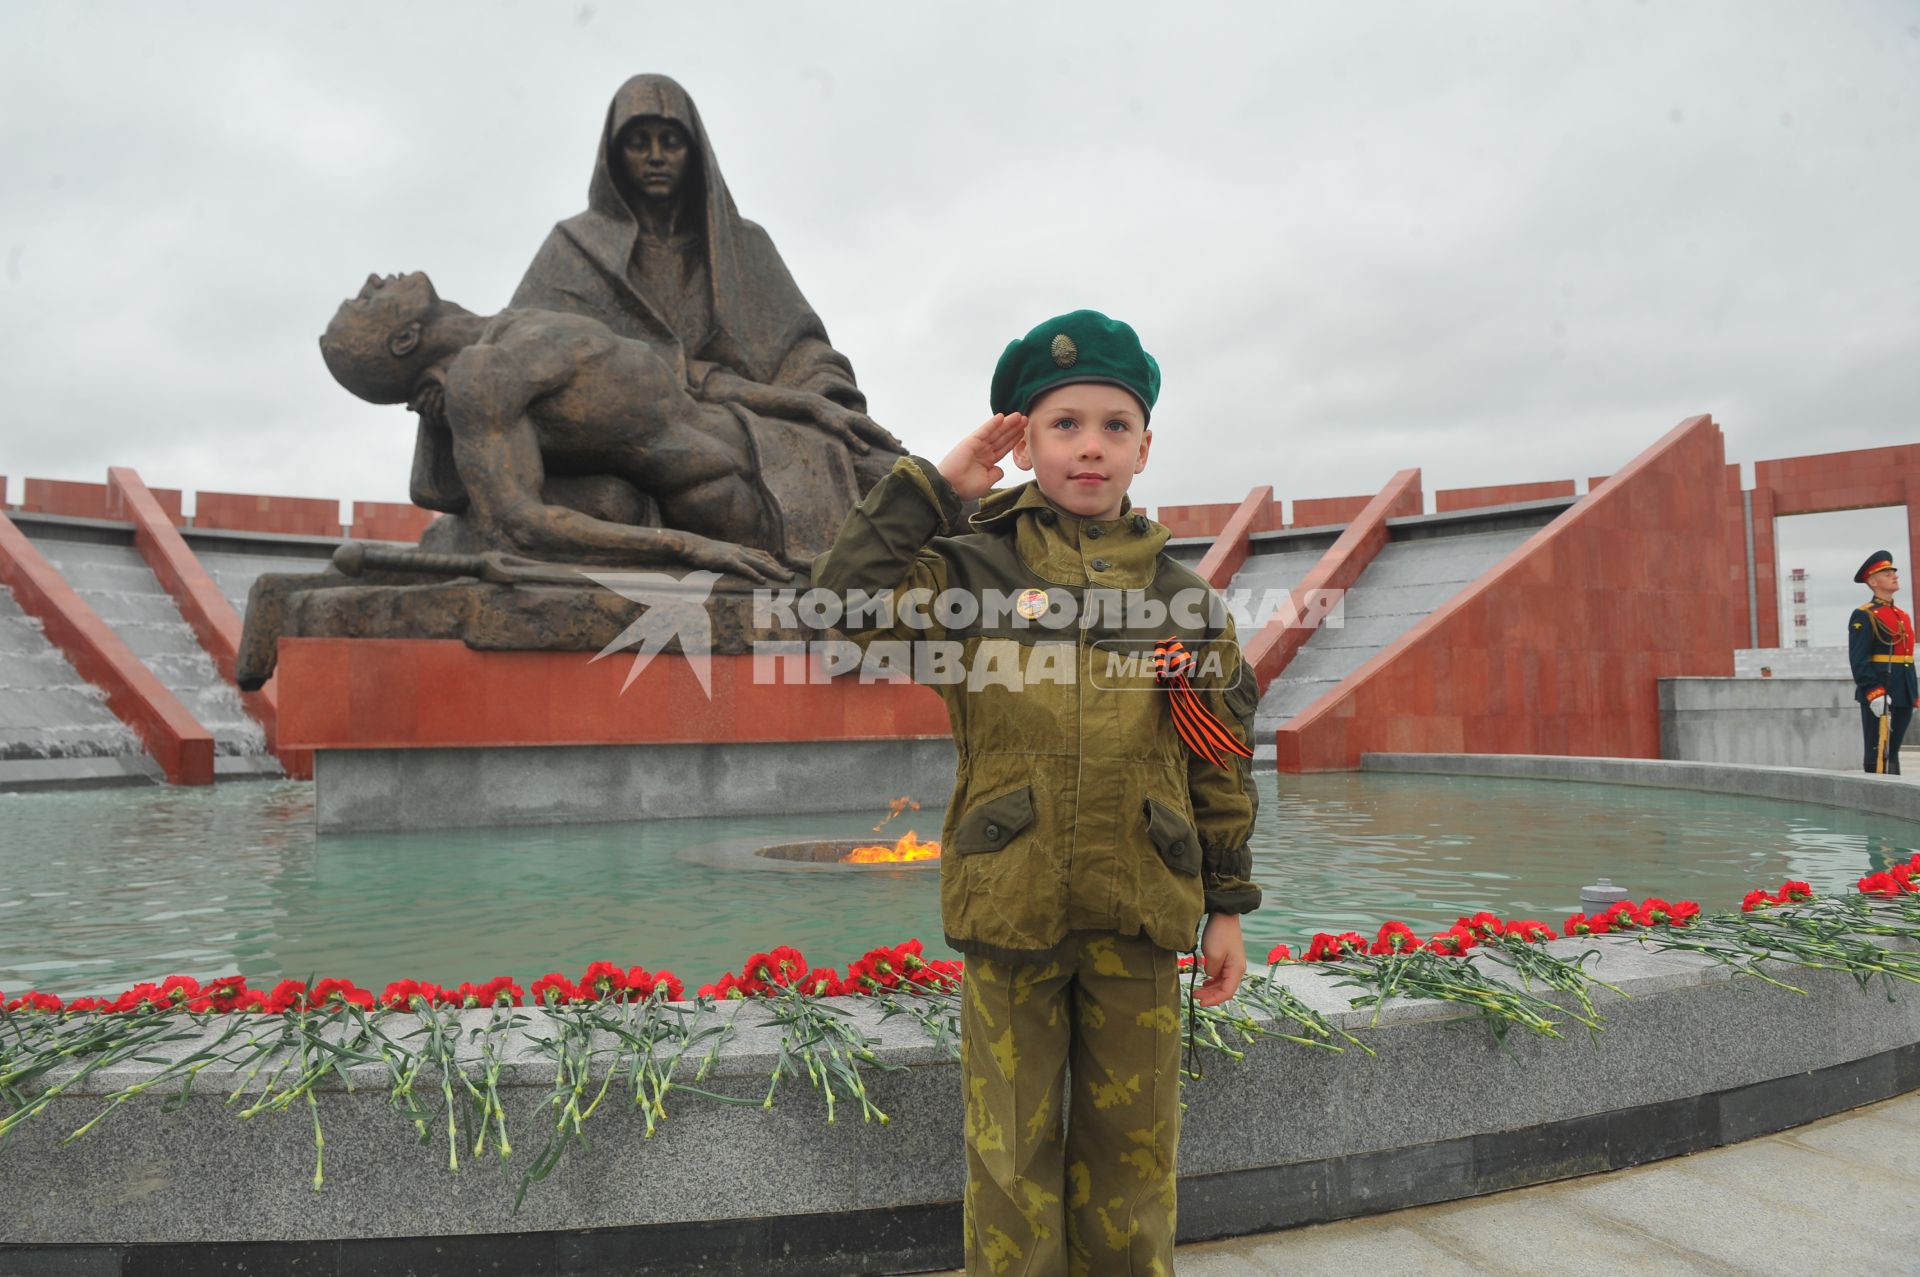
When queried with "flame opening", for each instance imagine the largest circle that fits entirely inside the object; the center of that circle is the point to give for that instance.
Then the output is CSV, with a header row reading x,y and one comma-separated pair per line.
x,y
907,847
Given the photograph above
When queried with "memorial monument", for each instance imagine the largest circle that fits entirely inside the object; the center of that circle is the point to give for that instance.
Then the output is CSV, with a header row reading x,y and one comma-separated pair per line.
x,y
659,394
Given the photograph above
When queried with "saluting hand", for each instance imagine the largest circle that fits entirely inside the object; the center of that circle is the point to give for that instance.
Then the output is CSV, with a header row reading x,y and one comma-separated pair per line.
x,y
973,467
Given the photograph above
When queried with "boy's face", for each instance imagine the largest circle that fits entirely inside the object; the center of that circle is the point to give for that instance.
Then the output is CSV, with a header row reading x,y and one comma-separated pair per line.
x,y
1084,443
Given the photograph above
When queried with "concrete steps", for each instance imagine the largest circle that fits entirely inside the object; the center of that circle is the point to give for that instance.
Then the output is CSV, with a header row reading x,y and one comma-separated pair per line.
x,y
117,584
1400,588
47,711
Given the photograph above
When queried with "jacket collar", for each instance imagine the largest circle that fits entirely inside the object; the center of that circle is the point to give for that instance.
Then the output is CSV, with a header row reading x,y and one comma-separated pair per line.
x,y
1062,548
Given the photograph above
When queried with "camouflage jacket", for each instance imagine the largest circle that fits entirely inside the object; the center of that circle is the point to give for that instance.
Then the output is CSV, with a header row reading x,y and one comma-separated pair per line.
x,y
1076,805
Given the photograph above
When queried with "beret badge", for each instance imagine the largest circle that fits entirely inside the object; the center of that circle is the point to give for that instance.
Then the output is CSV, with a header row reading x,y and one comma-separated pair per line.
x,y
1064,352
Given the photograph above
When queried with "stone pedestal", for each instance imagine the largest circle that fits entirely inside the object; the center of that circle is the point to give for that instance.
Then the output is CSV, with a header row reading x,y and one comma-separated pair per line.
x,y
430,733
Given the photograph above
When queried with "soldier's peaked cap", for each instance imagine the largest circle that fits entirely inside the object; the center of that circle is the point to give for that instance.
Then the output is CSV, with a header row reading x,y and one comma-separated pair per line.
x,y
1081,345
1878,561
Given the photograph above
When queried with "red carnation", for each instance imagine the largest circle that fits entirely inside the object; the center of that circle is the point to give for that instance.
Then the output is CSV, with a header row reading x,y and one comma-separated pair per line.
x,y
552,989
403,995
941,973
821,982
336,992
499,991
1395,937
1330,948
730,988
1793,892
178,990
141,997
1684,912
1623,915
1481,926
882,966
787,967
288,995
225,992
908,955
1279,953
668,986
1527,930
602,982
1882,884
1453,942
34,1001
861,978
1757,899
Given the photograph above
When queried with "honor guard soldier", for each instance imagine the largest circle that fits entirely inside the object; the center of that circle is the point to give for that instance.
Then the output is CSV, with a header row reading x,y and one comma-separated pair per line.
x,y
1880,646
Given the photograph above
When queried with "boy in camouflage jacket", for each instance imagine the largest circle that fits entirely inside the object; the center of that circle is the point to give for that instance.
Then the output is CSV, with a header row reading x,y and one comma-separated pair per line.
x,y
1103,799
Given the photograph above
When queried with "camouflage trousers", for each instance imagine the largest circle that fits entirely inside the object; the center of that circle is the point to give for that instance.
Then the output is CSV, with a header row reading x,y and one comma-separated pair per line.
x,y
1098,1197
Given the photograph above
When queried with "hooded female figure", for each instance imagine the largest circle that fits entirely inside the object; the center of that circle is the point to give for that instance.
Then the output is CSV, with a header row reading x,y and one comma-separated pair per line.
x,y
661,254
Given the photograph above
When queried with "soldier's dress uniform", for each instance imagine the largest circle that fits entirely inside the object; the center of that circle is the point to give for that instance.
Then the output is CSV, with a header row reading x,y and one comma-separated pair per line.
x,y
1085,841
1880,647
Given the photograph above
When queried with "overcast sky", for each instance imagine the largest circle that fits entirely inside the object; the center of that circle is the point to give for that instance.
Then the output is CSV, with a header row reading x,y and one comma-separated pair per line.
x,y
1500,242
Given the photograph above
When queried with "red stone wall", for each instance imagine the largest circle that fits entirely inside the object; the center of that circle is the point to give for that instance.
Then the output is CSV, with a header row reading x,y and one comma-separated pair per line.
x,y
1499,494
86,500
401,693
1858,480
1210,520
1557,648
1317,512
1314,512
251,512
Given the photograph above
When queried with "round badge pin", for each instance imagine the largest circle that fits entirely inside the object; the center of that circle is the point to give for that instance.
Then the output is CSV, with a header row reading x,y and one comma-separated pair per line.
x,y
1031,603
1064,352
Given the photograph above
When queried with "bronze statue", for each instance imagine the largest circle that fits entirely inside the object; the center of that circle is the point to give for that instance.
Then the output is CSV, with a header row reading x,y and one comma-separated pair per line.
x,y
659,393
529,393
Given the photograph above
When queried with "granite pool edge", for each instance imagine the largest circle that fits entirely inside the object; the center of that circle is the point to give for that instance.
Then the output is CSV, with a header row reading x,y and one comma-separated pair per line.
x,y
1692,1059
1854,791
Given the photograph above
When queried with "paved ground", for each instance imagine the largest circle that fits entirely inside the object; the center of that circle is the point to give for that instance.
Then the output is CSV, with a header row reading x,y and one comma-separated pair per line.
x,y
1838,1197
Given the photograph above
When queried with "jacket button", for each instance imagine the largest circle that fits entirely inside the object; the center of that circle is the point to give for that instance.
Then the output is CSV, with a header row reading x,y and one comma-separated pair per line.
x,y
1140,524
993,833
1099,565
1094,533
1046,517
1178,847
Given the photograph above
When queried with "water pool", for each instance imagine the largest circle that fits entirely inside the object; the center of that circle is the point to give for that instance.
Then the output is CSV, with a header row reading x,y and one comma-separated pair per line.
x,y
100,889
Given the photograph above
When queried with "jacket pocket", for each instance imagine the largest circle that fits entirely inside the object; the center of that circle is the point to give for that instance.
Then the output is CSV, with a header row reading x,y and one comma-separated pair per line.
x,y
1173,835
994,823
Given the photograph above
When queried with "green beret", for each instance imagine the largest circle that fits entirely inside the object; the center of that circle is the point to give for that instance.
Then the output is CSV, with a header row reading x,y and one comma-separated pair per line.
x,y
1083,345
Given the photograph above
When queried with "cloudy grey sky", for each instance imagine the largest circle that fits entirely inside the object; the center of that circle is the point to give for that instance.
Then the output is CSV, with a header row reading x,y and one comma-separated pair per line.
x,y
1499,241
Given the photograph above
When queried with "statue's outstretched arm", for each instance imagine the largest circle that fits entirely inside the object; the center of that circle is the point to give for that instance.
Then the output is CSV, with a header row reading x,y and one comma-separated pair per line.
x,y
853,428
